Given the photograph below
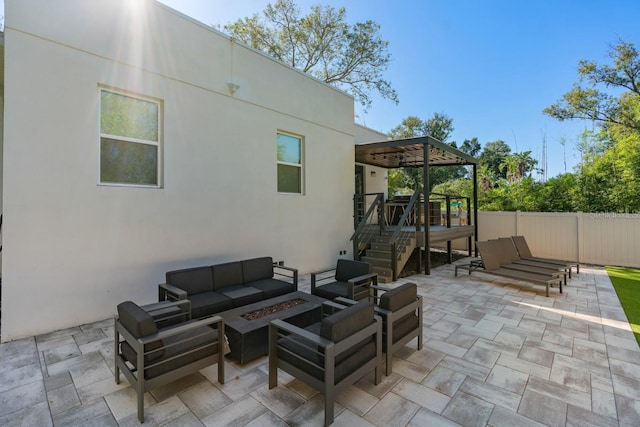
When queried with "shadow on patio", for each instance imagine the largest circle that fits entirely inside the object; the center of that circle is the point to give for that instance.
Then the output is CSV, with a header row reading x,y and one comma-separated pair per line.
x,y
496,352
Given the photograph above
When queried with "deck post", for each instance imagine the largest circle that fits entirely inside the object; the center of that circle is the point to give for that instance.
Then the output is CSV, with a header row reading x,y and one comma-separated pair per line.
x,y
427,220
475,205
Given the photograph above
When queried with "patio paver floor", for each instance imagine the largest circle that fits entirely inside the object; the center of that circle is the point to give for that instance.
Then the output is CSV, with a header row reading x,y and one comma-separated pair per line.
x,y
496,352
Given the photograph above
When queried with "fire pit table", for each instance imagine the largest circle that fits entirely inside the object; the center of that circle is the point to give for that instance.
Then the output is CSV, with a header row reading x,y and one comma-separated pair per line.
x,y
246,327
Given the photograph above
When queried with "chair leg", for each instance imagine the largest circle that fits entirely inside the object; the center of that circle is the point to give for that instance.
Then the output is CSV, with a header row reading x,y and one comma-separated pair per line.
x,y
141,406
273,357
328,408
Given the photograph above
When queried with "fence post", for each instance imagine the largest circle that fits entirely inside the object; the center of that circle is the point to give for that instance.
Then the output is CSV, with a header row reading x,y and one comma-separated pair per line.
x,y
518,212
580,236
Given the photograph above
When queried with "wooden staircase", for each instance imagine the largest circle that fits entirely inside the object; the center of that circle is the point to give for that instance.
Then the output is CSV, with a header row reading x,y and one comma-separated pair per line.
x,y
379,254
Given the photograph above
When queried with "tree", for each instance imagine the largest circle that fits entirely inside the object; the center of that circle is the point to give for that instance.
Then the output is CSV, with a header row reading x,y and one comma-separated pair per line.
x,y
323,44
438,126
493,156
592,99
518,166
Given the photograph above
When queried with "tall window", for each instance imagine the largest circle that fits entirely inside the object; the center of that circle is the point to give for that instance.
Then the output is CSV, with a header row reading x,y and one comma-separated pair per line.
x,y
290,155
129,139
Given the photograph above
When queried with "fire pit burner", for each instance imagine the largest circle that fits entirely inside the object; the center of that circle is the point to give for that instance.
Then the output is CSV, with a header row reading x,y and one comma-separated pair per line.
x,y
257,314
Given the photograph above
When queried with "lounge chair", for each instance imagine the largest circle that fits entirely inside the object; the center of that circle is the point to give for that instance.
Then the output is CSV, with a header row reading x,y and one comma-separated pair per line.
x,y
492,266
525,253
510,258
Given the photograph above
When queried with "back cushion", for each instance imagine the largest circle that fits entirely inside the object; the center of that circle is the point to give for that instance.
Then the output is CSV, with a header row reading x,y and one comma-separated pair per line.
x,y
140,324
347,269
228,274
192,280
399,297
257,269
346,322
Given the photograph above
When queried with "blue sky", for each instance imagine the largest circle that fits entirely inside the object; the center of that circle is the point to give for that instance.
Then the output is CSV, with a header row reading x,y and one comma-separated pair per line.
x,y
490,65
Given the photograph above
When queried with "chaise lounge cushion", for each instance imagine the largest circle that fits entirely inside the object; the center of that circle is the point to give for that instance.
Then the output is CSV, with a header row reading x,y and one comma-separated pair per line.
x,y
192,280
208,303
227,274
394,300
140,324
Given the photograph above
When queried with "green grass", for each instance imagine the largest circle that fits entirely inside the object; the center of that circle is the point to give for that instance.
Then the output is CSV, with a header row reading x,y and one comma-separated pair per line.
x,y
626,282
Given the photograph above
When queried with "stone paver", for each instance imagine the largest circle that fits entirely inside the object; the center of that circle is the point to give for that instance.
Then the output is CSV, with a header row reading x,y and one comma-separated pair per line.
x,y
495,353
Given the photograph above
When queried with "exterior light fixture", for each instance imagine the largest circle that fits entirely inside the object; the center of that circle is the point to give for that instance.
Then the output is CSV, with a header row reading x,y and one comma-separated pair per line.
x,y
233,87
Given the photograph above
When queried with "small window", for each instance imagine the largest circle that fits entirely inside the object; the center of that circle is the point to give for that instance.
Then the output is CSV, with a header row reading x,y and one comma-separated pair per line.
x,y
129,139
290,171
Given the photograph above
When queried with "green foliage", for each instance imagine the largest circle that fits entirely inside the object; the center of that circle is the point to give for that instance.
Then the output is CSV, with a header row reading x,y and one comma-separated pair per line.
x,y
592,97
438,126
493,156
351,57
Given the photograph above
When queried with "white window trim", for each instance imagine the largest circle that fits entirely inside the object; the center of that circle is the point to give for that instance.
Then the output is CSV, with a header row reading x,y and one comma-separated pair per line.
x,y
157,143
299,165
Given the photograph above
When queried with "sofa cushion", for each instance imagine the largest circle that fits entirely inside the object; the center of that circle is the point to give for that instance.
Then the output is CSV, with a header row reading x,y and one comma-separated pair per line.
x,y
346,322
347,269
227,274
332,290
140,324
273,287
208,303
395,299
257,269
192,280
242,295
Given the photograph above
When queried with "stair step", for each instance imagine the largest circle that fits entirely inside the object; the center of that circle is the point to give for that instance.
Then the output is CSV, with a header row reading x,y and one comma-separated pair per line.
x,y
385,275
378,254
377,262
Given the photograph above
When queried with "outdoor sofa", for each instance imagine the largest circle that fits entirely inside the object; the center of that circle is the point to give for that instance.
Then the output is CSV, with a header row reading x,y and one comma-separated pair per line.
x,y
216,288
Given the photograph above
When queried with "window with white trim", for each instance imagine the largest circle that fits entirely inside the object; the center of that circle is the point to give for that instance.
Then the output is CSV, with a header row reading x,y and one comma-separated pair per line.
x,y
290,163
130,135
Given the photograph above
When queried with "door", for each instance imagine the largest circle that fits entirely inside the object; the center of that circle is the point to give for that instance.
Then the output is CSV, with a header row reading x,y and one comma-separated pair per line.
x,y
359,198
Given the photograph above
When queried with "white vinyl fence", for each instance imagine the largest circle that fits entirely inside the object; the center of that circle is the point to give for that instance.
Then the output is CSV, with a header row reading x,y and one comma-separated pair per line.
x,y
591,238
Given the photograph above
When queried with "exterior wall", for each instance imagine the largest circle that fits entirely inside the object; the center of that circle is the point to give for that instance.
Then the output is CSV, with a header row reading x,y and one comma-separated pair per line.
x,y
74,249
375,177
596,238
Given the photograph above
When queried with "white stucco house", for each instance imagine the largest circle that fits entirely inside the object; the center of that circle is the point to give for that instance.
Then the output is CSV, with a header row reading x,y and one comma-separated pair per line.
x,y
137,140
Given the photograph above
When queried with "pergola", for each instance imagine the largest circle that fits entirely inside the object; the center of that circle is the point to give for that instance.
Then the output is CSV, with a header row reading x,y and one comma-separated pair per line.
x,y
419,152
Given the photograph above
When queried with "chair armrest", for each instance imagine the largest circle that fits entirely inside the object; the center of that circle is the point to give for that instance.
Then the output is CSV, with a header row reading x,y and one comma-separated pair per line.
x,y
184,327
315,277
345,301
297,331
293,275
164,311
360,287
371,277
170,292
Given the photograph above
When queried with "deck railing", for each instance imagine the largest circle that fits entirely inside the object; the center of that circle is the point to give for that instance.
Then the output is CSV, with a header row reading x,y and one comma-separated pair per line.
x,y
371,223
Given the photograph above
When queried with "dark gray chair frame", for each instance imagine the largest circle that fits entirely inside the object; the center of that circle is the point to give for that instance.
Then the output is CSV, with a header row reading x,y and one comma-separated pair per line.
x,y
161,313
330,349
388,318
358,288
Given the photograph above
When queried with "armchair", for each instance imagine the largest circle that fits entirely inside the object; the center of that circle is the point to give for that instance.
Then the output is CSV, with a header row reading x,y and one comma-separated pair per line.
x,y
401,312
329,355
150,356
352,280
